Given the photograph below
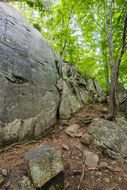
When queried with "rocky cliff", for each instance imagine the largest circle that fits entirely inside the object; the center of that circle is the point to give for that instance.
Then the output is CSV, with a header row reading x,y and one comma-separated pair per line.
x,y
36,85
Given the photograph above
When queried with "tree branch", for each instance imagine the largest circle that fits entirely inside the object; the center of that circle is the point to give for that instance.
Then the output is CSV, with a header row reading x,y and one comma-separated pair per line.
x,y
111,19
98,24
123,43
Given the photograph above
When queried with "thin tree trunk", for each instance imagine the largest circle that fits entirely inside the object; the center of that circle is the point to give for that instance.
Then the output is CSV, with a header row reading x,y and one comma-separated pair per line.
x,y
114,76
112,97
106,69
114,67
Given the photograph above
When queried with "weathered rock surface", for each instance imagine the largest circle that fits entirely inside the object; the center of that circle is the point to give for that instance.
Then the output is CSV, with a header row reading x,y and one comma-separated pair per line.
x,y
23,184
121,93
70,103
110,137
29,98
121,97
43,163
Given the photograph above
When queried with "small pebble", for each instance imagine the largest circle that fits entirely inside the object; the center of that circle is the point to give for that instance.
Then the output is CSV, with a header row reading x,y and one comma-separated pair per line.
x,y
80,154
4,172
64,146
107,180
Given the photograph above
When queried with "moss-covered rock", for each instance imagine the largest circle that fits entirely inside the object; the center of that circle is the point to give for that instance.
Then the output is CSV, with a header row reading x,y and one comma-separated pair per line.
x,y
43,163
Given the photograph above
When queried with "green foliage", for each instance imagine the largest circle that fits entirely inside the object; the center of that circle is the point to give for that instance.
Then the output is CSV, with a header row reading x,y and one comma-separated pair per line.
x,y
38,4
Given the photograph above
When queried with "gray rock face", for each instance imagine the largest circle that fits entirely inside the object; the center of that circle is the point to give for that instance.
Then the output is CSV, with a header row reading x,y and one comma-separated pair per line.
x,y
76,90
43,163
70,103
121,97
108,136
28,96
121,93
23,184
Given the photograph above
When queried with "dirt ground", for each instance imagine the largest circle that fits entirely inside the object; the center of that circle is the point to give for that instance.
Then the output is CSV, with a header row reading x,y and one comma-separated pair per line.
x,y
109,175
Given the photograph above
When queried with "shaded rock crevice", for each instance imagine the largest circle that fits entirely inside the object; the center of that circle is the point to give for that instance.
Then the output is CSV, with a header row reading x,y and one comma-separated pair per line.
x,y
17,79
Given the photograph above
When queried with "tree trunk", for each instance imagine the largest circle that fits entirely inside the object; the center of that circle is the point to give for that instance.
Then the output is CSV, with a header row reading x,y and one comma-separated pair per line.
x,y
106,69
115,74
112,95
107,77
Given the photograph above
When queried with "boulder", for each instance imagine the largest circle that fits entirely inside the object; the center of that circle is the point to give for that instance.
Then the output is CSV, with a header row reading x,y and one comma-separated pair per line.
x,y
29,98
110,137
23,184
43,163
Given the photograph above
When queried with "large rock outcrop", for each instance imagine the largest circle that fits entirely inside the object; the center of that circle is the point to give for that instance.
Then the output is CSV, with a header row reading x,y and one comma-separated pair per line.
x,y
29,98
36,85
76,90
110,137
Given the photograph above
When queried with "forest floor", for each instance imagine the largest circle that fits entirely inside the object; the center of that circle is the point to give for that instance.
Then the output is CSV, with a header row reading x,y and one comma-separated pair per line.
x,y
108,175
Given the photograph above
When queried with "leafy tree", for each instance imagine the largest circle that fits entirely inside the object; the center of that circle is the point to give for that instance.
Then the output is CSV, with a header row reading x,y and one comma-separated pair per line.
x,y
111,18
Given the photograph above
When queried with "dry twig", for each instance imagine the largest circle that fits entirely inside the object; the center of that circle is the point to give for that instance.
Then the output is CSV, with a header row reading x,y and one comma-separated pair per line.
x,y
83,167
